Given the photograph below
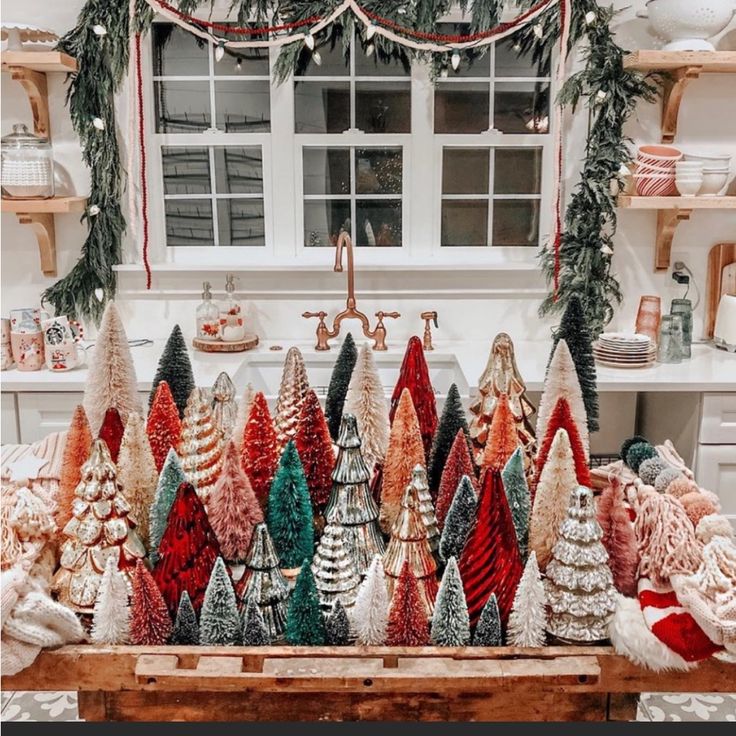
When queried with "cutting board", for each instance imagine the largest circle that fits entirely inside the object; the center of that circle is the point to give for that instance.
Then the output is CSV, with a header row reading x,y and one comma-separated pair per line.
x,y
721,280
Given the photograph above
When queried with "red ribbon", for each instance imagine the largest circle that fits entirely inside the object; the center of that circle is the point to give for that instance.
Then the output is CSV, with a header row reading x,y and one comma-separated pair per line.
x,y
142,149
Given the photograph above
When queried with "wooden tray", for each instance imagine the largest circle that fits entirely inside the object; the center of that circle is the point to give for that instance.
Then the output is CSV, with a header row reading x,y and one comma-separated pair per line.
x,y
129,683
219,346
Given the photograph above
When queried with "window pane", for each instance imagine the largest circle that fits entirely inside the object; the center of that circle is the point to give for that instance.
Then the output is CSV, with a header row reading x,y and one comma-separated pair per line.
x,y
189,222
182,107
333,64
186,170
461,108
465,170
321,107
518,171
323,220
515,222
521,107
510,64
238,170
178,53
240,222
378,222
243,107
464,222
370,66
378,170
472,63
326,170
383,107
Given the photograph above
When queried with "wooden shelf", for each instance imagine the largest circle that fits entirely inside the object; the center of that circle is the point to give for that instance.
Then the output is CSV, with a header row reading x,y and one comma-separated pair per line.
x,y
38,61
39,214
681,68
671,211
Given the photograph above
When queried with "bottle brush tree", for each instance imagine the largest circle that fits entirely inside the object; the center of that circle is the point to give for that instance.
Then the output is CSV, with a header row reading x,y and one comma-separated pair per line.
x,y
517,495
459,521
233,508
450,621
150,622
502,437
459,463
337,627
175,368
76,452
244,406
186,628
172,476
219,622
452,421
408,625
488,632
255,633
111,380
163,426
618,538
528,614
293,389
290,520
111,432
260,456
111,615
370,613
305,625
339,383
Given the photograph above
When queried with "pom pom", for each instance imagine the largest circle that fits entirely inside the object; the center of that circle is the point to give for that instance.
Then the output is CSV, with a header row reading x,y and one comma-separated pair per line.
x,y
713,526
651,468
627,444
665,478
680,486
712,498
697,506
638,453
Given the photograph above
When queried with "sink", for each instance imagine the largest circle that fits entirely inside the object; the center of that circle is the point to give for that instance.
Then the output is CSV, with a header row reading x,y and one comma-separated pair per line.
x,y
263,371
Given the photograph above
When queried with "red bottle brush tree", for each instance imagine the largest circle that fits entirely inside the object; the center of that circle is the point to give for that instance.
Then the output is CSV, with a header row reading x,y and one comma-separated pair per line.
x,y
458,464
408,624
233,508
76,452
618,538
187,552
150,622
260,456
561,418
112,431
490,562
414,376
502,437
314,445
164,425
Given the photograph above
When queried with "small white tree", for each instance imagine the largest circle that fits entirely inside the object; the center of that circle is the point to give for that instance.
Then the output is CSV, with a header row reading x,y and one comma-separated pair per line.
x,y
370,612
367,401
244,407
111,615
450,621
528,616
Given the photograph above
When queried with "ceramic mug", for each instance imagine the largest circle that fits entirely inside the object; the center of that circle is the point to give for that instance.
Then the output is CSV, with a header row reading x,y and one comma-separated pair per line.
x,y
27,348
5,335
60,336
27,319
64,357
6,357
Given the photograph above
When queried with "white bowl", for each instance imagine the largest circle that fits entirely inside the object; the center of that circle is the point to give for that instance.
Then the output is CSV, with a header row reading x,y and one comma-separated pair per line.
x,y
713,184
688,187
686,24
710,160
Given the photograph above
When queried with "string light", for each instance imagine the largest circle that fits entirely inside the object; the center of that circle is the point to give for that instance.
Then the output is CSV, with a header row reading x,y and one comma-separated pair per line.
x,y
606,250
538,30
239,63
317,58
455,60
369,49
309,41
444,72
93,210
601,95
99,30
517,47
220,51
590,17
370,31
99,123
100,294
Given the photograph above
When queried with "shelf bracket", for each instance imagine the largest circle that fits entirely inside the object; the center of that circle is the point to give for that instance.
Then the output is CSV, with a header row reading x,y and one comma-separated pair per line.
x,y
667,222
34,83
43,227
674,88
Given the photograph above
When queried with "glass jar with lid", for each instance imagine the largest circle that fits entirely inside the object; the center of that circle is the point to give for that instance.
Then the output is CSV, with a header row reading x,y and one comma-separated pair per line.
x,y
27,165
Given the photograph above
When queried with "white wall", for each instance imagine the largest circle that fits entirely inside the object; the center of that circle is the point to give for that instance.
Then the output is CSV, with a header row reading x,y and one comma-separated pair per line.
x,y
476,311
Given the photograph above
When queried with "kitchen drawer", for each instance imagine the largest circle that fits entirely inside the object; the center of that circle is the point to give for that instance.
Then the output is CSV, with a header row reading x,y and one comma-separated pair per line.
x,y
718,419
715,470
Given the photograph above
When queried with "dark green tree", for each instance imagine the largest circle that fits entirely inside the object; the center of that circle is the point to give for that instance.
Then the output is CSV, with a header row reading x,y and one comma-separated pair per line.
x,y
337,627
450,620
305,625
488,632
452,419
459,520
175,368
172,476
219,624
575,331
255,633
289,518
339,382
186,628
517,494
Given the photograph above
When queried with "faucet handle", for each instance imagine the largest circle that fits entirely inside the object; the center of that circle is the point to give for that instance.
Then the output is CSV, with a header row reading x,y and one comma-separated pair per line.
x,y
322,331
321,315
380,314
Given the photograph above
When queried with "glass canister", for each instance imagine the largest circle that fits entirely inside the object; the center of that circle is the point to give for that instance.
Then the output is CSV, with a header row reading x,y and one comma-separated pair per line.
x,y
27,165
684,307
670,339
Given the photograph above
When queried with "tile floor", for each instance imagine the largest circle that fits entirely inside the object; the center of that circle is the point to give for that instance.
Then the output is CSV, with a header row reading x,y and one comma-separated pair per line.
x,y
62,706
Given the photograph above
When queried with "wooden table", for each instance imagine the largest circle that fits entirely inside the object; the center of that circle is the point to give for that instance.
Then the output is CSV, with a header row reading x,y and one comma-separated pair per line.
x,y
171,683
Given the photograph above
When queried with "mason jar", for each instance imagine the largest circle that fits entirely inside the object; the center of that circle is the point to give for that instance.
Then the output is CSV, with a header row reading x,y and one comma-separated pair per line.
x,y
27,165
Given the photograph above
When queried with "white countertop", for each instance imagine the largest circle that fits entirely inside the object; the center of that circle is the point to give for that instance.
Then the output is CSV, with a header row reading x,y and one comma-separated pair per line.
x,y
708,370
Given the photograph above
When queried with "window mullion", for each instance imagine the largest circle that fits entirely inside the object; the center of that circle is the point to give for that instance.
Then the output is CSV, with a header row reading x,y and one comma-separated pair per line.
x,y
213,198
491,170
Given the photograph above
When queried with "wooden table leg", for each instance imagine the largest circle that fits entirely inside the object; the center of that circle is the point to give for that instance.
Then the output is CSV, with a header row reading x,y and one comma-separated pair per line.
x,y
622,706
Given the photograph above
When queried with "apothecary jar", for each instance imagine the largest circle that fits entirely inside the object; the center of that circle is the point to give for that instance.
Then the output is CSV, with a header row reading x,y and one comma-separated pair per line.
x,y
27,165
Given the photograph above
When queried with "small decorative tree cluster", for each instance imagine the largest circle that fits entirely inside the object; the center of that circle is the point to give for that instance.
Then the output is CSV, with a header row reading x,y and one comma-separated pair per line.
x,y
163,425
339,383
260,456
175,368
293,389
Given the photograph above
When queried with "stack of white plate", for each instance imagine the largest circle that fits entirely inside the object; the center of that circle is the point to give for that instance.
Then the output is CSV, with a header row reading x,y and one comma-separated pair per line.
x,y
624,350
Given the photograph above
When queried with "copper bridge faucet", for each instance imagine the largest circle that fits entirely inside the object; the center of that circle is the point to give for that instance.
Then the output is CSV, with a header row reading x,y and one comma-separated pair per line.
x,y
378,334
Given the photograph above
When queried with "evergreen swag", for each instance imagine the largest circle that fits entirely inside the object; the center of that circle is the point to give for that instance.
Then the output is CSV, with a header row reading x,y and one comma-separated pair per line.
x,y
611,94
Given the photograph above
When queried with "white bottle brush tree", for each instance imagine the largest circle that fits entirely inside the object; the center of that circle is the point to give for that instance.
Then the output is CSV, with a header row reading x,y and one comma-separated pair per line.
x,y
528,614
370,613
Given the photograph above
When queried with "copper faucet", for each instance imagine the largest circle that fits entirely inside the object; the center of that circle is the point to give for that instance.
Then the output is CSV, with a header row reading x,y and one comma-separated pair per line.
x,y
428,317
378,334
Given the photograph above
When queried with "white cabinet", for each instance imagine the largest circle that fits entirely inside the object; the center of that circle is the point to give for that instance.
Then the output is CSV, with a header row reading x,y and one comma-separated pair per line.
x,y
715,470
9,426
718,421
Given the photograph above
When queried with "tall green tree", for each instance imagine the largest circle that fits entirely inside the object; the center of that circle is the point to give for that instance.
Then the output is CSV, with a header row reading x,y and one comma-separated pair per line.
x,y
339,383
175,368
517,494
220,621
305,625
459,520
289,518
450,621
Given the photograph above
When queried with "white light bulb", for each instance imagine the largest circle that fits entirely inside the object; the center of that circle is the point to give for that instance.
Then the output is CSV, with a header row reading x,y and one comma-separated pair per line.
x,y
93,210
370,31
601,95
369,49
444,72
317,58
309,41
239,64
100,294
220,51
455,61
538,31
517,47
99,123
99,30
590,17
606,250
